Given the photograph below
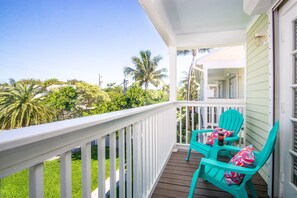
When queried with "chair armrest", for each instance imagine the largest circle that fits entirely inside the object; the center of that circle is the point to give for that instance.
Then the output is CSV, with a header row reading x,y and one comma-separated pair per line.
x,y
196,132
216,148
227,167
202,131
231,139
230,148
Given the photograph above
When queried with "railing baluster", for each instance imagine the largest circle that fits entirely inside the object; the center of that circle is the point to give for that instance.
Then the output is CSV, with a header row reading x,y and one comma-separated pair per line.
x,y
101,166
145,152
212,117
193,118
65,175
112,158
154,147
205,120
219,109
146,180
163,138
187,121
122,162
151,152
86,169
199,118
180,125
158,142
129,161
136,160
36,181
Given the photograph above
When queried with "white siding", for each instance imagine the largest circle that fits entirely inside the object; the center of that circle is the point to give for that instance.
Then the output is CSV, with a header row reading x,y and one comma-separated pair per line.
x,y
257,90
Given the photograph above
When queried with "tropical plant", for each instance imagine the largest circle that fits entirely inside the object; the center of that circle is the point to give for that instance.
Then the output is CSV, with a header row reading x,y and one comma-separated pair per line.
x,y
136,97
90,95
64,101
117,98
52,81
194,53
22,105
73,81
30,81
91,99
145,71
195,84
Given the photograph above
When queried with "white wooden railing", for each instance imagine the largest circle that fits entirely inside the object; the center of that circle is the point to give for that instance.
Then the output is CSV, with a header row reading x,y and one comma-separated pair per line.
x,y
144,137
148,133
193,115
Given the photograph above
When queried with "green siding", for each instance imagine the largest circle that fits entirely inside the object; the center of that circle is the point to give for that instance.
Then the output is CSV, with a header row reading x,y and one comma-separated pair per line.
x,y
257,90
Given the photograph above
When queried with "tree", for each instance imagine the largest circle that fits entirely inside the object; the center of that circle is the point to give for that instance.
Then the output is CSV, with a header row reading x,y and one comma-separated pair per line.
x,y
91,99
117,98
90,95
30,81
193,52
22,105
183,90
73,81
63,100
52,81
145,71
135,97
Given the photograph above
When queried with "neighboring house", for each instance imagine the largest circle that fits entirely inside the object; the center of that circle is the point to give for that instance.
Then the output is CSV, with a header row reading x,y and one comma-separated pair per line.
x,y
51,87
224,71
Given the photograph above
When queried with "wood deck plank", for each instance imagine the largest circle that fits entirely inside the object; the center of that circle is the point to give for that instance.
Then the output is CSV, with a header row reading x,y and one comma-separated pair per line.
x,y
177,176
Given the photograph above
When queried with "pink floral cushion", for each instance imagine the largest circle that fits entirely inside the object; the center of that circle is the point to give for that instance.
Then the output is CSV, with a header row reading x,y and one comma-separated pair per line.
x,y
244,158
214,135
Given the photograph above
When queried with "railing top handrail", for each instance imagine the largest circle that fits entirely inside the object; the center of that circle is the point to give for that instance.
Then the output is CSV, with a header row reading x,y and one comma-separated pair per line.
x,y
214,102
22,136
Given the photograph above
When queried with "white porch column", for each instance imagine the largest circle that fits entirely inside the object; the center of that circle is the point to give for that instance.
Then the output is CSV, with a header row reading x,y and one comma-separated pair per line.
x,y
205,85
172,73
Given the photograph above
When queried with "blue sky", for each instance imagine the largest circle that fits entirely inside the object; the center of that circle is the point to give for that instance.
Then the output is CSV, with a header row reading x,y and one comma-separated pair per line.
x,y
70,39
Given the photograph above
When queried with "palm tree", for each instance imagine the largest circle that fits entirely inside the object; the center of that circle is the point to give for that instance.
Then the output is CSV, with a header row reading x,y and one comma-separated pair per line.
x,y
22,105
193,52
183,84
146,70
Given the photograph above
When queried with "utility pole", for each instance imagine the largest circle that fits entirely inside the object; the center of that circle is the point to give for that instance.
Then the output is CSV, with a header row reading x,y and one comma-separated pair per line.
x,y
125,83
100,81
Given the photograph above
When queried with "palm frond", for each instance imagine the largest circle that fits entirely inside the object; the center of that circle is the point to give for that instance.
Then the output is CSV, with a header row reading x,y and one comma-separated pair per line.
x,y
21,105
183,52
145,71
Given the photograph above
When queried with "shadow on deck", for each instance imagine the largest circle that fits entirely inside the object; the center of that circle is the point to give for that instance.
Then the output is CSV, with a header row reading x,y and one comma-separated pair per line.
x,y
176,179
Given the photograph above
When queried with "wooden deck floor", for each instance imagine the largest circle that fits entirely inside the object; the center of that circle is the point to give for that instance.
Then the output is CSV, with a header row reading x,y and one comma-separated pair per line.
x,y
176,179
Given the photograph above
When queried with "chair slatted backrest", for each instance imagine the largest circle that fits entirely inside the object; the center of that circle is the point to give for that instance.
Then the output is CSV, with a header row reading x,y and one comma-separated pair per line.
x,y
263,156
231,120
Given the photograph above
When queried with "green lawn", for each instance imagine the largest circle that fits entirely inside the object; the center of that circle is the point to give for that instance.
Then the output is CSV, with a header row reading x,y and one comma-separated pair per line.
x,y
17,185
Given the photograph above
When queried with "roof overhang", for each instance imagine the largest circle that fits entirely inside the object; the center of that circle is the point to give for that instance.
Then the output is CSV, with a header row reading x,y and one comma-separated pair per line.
x,y
199,23
252,7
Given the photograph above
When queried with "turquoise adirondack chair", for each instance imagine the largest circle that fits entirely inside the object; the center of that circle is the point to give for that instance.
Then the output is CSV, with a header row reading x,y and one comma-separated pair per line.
x,y
230,120
212,170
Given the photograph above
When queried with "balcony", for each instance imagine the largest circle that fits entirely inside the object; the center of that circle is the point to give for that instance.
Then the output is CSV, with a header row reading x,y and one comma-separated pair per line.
x,y
177,175
146,140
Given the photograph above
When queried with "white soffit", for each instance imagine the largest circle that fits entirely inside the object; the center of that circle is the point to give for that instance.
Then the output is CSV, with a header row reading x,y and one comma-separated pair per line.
x,y
198,23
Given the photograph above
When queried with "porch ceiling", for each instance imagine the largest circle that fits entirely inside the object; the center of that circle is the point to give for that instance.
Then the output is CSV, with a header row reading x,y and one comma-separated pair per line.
x,y
198,23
